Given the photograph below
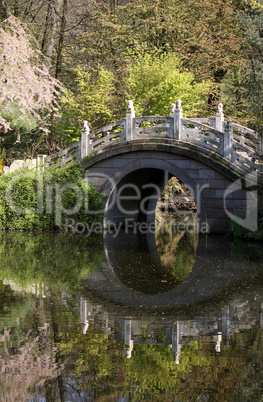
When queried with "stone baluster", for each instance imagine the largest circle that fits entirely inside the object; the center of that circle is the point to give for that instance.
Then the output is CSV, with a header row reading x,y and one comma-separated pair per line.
x,y
84,141
41,162
220,118
130,115
228,141
177,114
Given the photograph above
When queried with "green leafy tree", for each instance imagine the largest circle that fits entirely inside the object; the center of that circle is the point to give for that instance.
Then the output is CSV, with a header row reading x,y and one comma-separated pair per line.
x,y
242,90
156,80
92,100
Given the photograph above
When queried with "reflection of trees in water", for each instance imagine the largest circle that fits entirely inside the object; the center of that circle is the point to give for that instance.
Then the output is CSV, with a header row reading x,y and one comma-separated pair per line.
x,y
33,364
45,352
96,364
176,240
36,269
48,259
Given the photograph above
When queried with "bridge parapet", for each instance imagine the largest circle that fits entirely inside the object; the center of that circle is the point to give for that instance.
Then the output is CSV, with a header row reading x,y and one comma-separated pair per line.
x,y
105,136
204,135
238,144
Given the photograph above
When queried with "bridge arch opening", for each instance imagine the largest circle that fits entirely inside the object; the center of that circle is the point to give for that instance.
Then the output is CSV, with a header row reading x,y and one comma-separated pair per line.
x,y
140,196
151,205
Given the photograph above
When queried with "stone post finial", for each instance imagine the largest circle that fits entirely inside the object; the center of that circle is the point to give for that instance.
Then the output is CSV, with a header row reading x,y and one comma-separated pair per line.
x,y
228,127
219,118
84,140
130,106
220,108
86,126
173,107
179,104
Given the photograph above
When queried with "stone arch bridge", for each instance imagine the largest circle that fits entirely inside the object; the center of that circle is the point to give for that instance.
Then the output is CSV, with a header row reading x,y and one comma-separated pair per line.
x,y
131,161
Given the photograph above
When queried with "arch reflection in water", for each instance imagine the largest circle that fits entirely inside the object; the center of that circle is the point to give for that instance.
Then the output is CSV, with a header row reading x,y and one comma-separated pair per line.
x,y
133,275
152,263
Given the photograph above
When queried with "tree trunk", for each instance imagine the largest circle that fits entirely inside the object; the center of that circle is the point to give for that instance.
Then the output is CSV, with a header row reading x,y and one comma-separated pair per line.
x,y
61,39
51,143
55,12
45,35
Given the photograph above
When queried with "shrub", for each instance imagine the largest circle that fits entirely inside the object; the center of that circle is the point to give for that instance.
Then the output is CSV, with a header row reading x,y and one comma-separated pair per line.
x,y
31,200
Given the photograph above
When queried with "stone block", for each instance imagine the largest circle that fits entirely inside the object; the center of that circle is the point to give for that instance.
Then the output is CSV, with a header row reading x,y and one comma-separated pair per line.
x,y
207,174
182,164
220,193
119,162
148,163
137,164
194,173
215,184
197,165
209,193
107,163
214,203
216,213
219,176
236,203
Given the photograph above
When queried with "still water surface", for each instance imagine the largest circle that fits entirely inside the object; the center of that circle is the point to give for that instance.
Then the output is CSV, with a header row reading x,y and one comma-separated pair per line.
x,y
128,318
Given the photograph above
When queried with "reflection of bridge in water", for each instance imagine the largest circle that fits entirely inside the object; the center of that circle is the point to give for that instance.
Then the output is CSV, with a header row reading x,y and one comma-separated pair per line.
x,y
199,308
216,327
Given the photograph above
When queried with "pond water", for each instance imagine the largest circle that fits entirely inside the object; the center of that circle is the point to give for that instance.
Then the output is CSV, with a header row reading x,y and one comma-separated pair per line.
x,y
164,316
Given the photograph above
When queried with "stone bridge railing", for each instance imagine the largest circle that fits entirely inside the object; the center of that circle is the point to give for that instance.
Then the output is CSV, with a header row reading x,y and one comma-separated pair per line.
x,y
234,142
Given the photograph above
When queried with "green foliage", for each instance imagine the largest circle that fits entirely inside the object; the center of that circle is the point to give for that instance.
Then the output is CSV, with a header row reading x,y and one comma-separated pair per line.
x,y
242,86
91,101
19,122
151,371
236,231
31,144
32,200
94,352
173,188
155,80
150,52
2,160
